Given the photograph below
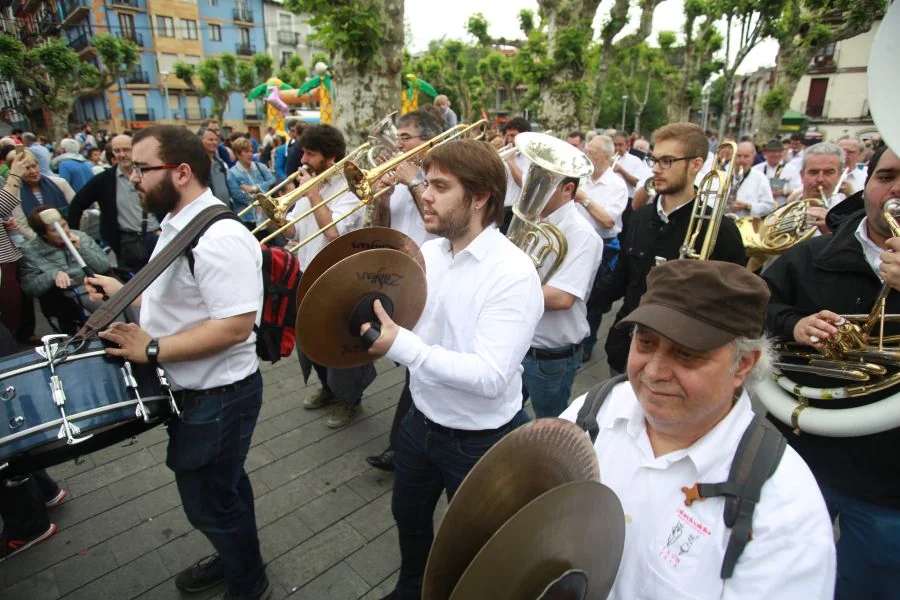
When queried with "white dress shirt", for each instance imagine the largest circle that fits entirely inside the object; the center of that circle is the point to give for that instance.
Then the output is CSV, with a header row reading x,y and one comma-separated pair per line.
x,y
705,169
610,192
405,216
755,191
871,251
513,189
227,281
308,226
465,354
575,276
636,168
776,178
674,551
792,172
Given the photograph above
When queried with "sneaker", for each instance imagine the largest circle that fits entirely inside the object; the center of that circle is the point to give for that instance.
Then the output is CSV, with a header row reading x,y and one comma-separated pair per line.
x,y
57,499
321,398
262,591
11,547
341,416
205,574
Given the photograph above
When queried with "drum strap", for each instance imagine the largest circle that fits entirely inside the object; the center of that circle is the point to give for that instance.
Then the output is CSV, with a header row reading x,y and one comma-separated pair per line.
x,y
110,309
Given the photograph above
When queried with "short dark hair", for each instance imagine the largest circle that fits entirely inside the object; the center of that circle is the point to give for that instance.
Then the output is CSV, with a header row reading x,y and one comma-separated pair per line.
x,y
34,219
795,137
578,134
572,180
873,162
325,139
478,167
178,145
519,124
426,123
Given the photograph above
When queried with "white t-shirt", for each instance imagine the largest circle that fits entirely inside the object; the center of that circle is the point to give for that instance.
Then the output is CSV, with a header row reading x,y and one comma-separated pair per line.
x,y
308,225
513,189
755,191
636,168
610,192
674,551
405,216
227,281
575,276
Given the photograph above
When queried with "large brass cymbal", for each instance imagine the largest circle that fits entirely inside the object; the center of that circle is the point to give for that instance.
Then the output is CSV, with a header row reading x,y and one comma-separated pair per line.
x,y
578,525
323,317
353,242
528,462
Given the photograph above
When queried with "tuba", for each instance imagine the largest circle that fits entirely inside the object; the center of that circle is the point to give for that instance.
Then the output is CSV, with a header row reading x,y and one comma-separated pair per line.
x,y
860,353
552,160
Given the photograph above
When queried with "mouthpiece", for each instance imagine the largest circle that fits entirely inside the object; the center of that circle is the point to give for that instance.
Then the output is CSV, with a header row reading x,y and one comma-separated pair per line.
x,y
51,216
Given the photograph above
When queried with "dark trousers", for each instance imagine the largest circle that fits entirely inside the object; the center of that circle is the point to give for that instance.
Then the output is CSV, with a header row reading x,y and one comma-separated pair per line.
x,y
426,463
23,504
595,306
402,408
16,309
347,385
207,450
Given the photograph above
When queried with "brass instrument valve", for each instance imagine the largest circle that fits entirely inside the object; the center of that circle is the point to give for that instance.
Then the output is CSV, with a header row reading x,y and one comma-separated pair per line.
x,y
849,337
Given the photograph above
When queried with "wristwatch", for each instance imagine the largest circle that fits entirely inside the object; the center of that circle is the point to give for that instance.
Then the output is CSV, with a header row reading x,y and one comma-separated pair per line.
x,y
153,352
415,182
586,202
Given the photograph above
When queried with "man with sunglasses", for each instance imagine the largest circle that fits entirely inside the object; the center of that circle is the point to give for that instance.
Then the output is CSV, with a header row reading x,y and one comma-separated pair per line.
x,y
198,323
657,229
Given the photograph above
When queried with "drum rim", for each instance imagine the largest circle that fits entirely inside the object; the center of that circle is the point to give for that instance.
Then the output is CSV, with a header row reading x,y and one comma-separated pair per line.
x,y
43,362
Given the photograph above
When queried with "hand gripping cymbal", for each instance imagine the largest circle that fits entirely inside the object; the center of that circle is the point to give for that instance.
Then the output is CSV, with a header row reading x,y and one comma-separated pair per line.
x,y
527,463
325,327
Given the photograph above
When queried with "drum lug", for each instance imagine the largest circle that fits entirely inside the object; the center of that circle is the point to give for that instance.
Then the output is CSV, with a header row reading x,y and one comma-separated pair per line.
x,y
164,384
68,430
4,465
131,383
8,394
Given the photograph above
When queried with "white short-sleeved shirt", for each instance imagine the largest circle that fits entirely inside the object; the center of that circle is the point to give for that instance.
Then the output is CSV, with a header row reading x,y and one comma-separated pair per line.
x,y
610,192
775,176
575,276
674,551
636,168
465,353
755,191
405,216
227,281
308,225
792,172
513,189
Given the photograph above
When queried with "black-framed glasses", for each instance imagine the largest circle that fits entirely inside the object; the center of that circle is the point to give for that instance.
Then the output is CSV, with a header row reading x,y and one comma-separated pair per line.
x,y
139,172
406,138
666,162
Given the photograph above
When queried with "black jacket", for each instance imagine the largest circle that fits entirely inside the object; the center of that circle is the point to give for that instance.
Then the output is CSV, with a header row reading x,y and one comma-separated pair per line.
x,y
102,190
647,237
293,158
830,272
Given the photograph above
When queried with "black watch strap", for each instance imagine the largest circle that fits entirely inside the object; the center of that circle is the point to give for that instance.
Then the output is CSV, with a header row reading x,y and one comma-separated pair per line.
x,y
153,352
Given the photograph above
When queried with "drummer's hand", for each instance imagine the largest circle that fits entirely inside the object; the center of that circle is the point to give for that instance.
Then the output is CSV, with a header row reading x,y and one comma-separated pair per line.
x,y
890,263
406,172
101,285
389,331
814,329
63,281
131,339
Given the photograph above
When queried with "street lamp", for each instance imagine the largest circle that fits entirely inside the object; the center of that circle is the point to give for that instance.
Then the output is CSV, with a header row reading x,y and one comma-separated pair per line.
x,y
165,78
624,106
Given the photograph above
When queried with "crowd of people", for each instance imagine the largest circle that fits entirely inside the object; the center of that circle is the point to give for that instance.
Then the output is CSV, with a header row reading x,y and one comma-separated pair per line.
x,y
495,333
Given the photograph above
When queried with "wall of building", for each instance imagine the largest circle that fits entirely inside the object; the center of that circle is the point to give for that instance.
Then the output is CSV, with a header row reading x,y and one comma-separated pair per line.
x,y
287,34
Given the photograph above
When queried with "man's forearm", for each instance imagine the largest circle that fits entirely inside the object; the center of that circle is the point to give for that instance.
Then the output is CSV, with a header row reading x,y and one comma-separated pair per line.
x,y
417,191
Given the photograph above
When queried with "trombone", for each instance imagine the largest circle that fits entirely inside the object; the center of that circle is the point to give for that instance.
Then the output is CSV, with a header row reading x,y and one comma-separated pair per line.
x,y
708,209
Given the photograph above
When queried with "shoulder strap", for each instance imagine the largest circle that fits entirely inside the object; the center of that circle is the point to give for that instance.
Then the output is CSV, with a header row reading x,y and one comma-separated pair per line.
x,y
110,309
189,251
587,415
757,456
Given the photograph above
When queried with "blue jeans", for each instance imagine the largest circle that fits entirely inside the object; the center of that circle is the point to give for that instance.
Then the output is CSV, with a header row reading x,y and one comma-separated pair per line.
x,y
596,310
207,449
868,550
426,463
549,382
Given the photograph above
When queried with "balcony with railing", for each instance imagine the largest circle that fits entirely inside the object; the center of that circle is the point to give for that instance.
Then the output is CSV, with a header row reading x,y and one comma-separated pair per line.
x,y
825,61
49,22
289,38
195,113
80,43
135,37
137,77
243,13
251,114
245,49
135,4
74,10
147,114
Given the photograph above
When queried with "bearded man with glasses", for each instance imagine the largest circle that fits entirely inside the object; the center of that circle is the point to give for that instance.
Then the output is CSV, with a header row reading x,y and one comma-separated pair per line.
x,y
658,229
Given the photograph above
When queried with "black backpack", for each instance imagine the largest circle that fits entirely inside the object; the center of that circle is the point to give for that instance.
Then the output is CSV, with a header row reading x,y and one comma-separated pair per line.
x,y
755,460
281,276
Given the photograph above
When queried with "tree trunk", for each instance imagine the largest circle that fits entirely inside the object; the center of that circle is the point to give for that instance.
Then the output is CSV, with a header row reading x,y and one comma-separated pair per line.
x,y
727,104
640,105
368,91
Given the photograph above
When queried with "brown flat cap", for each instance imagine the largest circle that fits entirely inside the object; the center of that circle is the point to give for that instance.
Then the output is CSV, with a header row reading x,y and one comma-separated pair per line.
x,y
702,304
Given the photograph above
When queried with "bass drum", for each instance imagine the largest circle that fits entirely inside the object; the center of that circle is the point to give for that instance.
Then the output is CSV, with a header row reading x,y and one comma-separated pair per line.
x,y
104,405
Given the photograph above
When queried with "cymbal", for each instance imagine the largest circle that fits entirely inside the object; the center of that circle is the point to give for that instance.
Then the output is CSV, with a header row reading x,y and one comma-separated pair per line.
x,y
578,525
526,463
571,585
323,317
353,242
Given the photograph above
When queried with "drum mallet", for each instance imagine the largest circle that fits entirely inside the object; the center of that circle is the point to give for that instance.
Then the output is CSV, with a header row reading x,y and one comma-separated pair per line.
x,y
52,217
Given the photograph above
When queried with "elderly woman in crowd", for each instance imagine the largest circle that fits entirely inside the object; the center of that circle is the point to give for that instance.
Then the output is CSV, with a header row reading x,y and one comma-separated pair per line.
x,y
71,165
246,178
38,189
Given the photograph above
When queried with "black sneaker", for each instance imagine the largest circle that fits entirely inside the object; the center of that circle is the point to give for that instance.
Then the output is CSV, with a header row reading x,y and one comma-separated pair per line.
x,y
12,546
262,591
383,461
205,574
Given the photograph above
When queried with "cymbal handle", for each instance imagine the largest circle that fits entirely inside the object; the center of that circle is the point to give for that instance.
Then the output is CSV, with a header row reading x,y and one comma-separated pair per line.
x,y
364,312
371,335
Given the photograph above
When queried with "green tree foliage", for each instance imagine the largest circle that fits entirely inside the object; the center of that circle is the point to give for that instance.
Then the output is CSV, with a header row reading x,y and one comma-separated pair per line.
x,y
221,76
58,77
642,74
293,72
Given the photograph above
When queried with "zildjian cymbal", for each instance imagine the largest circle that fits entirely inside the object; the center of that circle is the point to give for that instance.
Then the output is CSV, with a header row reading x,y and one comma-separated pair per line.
x,y
367,238
578,525
323,319
528,462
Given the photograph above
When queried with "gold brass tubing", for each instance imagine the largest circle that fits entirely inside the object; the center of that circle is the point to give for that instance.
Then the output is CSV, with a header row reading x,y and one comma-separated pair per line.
x,y
305,214
255,203
299,245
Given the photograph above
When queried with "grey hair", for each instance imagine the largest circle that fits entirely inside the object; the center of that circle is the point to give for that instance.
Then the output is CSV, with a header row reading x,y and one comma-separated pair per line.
x,y
621,134
69,145
605,143
825,149
428,125
767,356
29,138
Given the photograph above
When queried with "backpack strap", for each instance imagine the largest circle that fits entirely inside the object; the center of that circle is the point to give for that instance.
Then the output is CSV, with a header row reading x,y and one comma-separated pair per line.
x,y
755,460
189,250
587,415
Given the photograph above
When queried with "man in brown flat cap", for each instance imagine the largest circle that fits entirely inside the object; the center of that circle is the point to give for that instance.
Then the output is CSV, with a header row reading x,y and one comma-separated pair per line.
x,y
670,433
